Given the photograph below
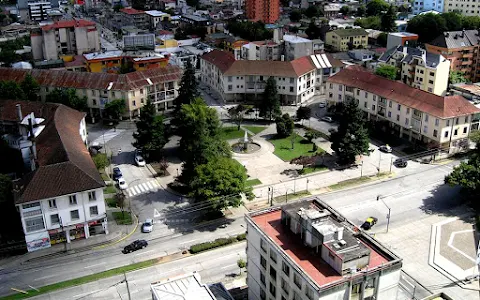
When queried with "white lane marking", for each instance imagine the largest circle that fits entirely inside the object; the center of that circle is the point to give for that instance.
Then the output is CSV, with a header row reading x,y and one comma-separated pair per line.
x,y
150,186
129,193
139,191
134,192
141,187
96,265
229,266
45,277
149,251
188,241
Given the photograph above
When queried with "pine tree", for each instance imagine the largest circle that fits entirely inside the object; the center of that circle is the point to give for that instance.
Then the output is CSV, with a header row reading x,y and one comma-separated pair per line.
x,y
188,87
270,104
388,20
30,88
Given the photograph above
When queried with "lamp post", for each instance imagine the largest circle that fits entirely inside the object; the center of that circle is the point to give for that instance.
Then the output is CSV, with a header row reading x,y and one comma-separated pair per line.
x,y
270,195
361,170
63,230
286,194
389,210
379,161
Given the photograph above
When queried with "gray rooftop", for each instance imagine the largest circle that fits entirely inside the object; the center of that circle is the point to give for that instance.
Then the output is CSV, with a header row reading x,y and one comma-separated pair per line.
x,y
432,60
457,39
194,18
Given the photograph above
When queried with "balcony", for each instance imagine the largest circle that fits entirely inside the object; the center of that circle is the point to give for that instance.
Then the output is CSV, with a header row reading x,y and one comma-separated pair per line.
x,y
417,115
382,102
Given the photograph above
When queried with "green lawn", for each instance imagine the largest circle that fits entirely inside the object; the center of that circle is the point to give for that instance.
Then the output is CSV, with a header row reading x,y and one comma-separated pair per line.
x,y
252,182
349,182
282,199
111,202
308,170
283,148
231,133
122,218
104,176
110,189
255,129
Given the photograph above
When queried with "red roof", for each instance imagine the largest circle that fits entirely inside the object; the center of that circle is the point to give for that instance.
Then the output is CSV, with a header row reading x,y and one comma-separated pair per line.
x,y
302,65
312,265
439,106
68,24
132,11
223,60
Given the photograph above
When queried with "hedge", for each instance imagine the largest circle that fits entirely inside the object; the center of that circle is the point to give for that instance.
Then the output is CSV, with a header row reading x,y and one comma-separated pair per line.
x,y
242,237
217,243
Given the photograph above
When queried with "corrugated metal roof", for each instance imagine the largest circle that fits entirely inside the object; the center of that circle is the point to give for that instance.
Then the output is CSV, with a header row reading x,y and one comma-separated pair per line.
x,y
457,39
186,287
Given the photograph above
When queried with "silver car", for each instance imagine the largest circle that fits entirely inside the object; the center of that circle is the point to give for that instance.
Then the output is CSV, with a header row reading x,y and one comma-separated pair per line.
x,y
147,226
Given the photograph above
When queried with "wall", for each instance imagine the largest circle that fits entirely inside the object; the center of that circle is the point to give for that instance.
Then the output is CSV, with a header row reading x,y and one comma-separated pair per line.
x,y
50,50
441,78
37,46
388,285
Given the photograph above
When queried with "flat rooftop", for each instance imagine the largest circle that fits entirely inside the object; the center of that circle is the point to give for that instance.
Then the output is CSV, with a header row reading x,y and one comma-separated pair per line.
x,y
156,13
403,34
305,257
295,39
104,55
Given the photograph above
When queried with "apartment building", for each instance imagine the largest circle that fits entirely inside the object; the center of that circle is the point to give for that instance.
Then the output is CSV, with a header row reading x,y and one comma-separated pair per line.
x,y
267,11
154,17
244,81
296,47
307,251
346,39
437,121
284,47
261,50
159,85
35,10
50,42
418,68
420,6
134,17
60,199
466,8
461,48
111,61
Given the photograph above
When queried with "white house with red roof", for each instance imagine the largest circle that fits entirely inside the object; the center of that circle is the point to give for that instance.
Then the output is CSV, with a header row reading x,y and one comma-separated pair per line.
x,y
438,121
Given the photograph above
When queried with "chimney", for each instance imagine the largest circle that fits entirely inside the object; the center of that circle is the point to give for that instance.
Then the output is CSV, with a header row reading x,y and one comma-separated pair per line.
x,y
405,50
340,233
463,33
19,112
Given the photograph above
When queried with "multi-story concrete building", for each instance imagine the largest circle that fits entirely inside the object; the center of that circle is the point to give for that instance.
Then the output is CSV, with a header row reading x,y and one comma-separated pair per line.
x,y
438,121
154,17
134,17
308,251
466,8
60,197
420,6
395,39
345,39
285,48
35,10
267,11
111,61
244,81
261,50
418,68
461,48
160,85
296,47
50,42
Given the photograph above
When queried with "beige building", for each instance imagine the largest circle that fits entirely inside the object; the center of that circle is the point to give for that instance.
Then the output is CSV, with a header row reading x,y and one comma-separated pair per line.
x,y
346,39
65,37
466,8
160,85
419,68
437,121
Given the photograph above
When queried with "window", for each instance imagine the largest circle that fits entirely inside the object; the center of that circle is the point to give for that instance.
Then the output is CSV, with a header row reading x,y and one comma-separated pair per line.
x,y
93,211
330,95
309,293
456,121
432,74
465,130
273,273
94,102
34,224
373,107
297,280
374,98
406,121
408,110
398,118
455,132
340,88
466,119
435,133
446,134
262,278
426,118
285,269
430,81
430,90
358,92
366,94
340,97
389,114
52,203
399,107
331,85
291,82
229,87
54,219
448,122
72,199
273,289
437,122
285,286
425,129
92,196
365,104
74,214
134,103
263,262
273,256
263,245
291,91
390,104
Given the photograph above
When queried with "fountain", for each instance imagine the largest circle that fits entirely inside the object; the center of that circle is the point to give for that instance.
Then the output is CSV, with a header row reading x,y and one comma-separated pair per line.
x,y
245,145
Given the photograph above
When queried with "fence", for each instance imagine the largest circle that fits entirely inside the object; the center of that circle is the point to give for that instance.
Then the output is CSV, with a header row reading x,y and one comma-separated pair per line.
x,y
411,289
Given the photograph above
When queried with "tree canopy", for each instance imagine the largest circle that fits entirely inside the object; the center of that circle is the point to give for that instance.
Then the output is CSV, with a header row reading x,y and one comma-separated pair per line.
x,y
387,71
284,126
69,98
11,90
304,113
295,15
114,110
251,31
188,90
373,22
313,31
237,113
312,12
457,77
30,88
270,104
388,20
376,7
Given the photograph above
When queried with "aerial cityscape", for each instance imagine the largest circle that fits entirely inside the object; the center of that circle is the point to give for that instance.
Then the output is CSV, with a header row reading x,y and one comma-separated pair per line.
x,y
233,150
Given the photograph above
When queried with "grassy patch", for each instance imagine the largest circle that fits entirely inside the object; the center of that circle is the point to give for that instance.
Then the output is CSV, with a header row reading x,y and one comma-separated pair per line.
x,y
111,202
308,170
104,176
84,279
283,148
231,133
124,218
283,199
320,134
110,189
255,129
349,182
252,182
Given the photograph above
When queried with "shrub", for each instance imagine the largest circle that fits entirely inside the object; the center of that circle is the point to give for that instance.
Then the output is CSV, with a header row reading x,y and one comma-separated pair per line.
x,y
210,245
242,237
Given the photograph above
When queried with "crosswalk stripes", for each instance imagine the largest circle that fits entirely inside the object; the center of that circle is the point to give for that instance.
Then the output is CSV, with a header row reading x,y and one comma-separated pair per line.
x,y
107,136
143,188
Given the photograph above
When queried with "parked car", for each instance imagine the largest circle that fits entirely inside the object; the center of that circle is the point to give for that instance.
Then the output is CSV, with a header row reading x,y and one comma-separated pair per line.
x,y
400,163
369,223
327,119
117,173
122,184
134,246
385,148
147,226
139,158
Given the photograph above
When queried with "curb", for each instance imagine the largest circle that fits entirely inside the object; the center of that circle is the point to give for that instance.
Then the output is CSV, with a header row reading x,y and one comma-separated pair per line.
x,y
121,239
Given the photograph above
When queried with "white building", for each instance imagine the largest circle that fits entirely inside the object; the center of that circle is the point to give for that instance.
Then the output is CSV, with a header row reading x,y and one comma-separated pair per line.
x,y
244,80
155,16
296,47
35,10
307,251
465,8
61,196
437,121
420,6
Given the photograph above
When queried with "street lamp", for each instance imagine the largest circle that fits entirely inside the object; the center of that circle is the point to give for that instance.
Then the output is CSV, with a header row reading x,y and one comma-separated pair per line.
x,y
270,195
361,170
389,210
63,230
286,194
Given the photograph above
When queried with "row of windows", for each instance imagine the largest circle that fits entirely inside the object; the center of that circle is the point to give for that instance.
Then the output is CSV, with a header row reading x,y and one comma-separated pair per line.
x,y
72,199
74,215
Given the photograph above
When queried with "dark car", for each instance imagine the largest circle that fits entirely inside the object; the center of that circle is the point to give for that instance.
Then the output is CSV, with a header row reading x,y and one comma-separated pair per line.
x,y
400,163
369,223
117,173
136,245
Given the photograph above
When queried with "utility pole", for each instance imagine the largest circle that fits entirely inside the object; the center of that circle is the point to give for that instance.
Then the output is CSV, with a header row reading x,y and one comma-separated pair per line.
x,y
389,211
63,230
361,170
379,161
391,164
307,184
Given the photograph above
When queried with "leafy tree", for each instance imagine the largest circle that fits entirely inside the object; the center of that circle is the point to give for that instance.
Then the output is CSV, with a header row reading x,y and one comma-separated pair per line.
x,y
457,77
188,87
295,15
11,90
251,31
117,7
101,161
304,113
387,71
114,110
193,3
151,135
351,137
345,10
376,7
217,179
382,39
284,125
427,26
241,264
471,22
30,88
310,136
11,160
139,4
313,31
453,21
388,20
361,11
312,12
237,113
270,104
6,189
126,67
69,98
373,22
8,56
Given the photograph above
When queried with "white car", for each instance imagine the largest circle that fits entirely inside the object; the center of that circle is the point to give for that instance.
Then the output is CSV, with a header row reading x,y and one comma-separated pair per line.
x,y
122,184
147,226
385,148
139,160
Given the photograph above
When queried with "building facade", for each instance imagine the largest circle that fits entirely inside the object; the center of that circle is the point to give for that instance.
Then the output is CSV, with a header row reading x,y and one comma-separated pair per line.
x,y
60,197
160,85
345,39
244,81
419,68
134,17
461,48
307,251
154,17
296,47
443,122
420,6
50,42
261,50
267,11
35,10
465,8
